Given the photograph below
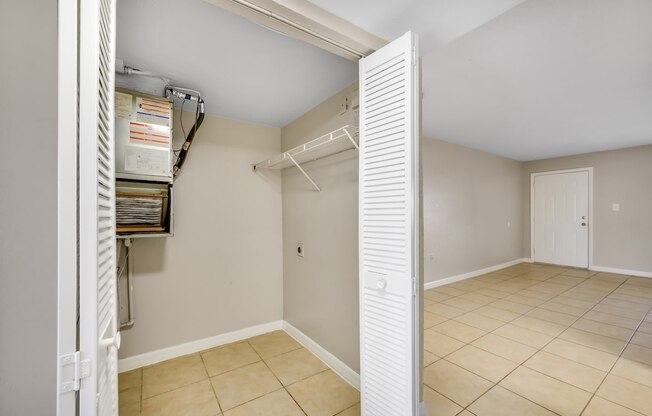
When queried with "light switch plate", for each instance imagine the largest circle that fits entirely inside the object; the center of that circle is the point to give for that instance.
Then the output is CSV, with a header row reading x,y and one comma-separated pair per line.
x,y
615,207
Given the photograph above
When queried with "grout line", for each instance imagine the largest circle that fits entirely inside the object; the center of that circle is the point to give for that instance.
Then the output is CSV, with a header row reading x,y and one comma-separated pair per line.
x,y
616,361
219,405
274,374
553,338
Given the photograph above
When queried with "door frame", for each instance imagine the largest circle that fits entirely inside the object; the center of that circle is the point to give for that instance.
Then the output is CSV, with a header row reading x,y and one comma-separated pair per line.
x,y
533,175
67,192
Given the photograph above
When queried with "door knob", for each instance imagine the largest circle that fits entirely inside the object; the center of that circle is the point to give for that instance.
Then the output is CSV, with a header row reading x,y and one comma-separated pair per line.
x,y
382,284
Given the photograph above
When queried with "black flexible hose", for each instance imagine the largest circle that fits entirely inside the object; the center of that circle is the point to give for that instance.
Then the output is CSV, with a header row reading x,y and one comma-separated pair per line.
x,y
183,152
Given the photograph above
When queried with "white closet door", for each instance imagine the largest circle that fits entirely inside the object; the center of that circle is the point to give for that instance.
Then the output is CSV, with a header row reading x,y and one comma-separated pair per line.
x,y
389,230
98,329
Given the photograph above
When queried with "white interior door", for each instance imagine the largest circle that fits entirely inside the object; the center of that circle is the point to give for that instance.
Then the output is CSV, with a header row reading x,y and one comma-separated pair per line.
x,y
98,327
561,218
389,230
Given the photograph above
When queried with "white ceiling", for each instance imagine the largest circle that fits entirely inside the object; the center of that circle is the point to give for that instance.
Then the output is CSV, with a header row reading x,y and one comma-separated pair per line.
x,y
527,80
524,79
243,70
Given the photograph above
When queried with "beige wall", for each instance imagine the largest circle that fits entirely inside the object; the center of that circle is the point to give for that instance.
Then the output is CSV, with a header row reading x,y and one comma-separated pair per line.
x,y
28,207
222,270
621,239
320,290
469,197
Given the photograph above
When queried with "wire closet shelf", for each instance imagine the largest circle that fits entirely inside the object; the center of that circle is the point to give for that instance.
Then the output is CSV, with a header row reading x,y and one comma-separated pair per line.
x,y
329,144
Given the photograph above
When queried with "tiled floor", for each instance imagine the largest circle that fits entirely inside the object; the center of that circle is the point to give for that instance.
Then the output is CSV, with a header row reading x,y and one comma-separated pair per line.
x,y
529,340
535,340
268,375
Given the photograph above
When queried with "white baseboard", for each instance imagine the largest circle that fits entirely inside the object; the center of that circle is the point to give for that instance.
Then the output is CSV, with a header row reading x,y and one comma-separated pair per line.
x,y
341,369
149,358
621,271
464,276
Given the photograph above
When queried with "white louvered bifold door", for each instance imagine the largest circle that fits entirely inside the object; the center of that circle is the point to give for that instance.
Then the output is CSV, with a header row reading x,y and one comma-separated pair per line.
x,y
98,327
389,221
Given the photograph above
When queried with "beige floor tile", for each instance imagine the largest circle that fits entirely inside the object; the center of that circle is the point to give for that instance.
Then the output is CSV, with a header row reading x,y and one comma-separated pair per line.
x,y
435,296
451,291
324,394
571,372
497,313
466,413
579,273
543,296
444,310
638,353
478,298
567,309
493,293
566,279
129,409
502,402
505,348
626,305
600,328
601,407
511,306
523,335
482,363
645,327
278,403
589,339
273,343
351,411
229,357
439,344
633,370
643,339
193,400
438,404
478,321
552,394
552,316
460,303
172,374
582,354
630,297
611,319
430,319
244,384
459,331
618,311
130,395
539,325
571,301
429,358
295,365
130,379
524,300
427,302
627,393
456,383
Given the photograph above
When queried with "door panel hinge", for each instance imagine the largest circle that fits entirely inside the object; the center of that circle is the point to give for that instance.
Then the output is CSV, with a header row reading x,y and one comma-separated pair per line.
x,y
72,370
415,60
414,286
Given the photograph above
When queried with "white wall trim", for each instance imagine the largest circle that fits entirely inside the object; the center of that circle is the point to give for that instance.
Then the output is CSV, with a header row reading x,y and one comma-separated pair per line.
x,y
341,369
464,276
153,357
556,172
621,271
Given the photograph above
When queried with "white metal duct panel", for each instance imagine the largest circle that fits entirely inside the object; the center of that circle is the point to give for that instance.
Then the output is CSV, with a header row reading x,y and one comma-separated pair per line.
x,y
390,375
99,337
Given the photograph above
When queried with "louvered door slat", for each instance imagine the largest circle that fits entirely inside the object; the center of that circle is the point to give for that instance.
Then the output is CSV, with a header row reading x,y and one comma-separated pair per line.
x,y
388,231
98,291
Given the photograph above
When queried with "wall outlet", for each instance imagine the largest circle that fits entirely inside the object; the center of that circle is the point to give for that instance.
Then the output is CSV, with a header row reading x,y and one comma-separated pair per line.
x,y
300,250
